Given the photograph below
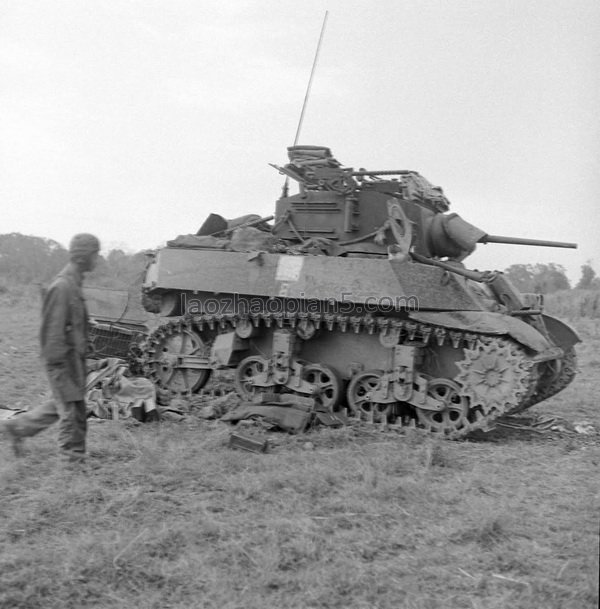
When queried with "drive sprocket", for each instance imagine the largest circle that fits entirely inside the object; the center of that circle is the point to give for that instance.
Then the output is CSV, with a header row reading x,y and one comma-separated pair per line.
x,y
494,375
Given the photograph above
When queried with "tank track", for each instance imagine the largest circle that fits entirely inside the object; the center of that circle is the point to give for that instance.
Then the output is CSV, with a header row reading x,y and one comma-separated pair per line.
x,y
548,382
496,375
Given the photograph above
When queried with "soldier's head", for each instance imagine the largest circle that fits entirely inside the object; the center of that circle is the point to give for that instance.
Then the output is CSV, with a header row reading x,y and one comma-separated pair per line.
x,y
84,250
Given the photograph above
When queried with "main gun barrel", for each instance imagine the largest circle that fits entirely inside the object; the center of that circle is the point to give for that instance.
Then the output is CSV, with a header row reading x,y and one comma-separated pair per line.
x,y
519,241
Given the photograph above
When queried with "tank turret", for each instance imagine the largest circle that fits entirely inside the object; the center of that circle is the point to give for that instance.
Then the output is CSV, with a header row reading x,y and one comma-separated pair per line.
x,y
391,212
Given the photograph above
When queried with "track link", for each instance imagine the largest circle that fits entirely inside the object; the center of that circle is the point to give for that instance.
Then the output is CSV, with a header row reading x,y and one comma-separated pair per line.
x,y
496,375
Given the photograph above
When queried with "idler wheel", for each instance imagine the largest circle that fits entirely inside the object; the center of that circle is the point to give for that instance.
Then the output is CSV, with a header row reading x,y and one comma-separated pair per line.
x,y
247,373
168,350
327,387
456,408
359,393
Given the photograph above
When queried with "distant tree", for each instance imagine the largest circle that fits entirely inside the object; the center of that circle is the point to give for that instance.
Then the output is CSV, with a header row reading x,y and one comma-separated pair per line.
x,y
540,278
588,280
119,270
116,260
29,259
550,278
521,276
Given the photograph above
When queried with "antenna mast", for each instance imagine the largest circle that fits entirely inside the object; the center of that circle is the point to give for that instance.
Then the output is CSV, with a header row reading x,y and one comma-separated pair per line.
x,y
310,78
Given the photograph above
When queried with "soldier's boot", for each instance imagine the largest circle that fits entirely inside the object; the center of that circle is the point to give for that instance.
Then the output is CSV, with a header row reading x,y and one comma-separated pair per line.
x,y
16,441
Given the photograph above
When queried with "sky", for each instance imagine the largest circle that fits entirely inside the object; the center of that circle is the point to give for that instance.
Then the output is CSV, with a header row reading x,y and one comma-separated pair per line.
x,y
135,119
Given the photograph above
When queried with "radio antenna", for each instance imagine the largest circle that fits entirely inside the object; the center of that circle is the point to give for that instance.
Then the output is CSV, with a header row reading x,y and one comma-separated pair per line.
x,y
312,72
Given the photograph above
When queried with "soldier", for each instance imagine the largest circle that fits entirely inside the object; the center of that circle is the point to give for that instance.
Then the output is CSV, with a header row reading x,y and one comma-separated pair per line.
x,y
64,340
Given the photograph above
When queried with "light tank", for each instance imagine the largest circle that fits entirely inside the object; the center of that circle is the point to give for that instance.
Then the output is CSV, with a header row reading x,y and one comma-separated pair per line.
x,y
356,296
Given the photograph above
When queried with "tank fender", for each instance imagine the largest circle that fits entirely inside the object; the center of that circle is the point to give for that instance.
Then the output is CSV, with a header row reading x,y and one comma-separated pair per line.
x,y
487,322
560,332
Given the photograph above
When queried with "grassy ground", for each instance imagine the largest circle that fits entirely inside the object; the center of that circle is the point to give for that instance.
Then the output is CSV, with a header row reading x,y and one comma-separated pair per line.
x,y
170,517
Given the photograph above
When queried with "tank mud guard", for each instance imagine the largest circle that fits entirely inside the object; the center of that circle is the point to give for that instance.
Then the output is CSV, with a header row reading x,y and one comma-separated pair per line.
x,y
561,333
486,322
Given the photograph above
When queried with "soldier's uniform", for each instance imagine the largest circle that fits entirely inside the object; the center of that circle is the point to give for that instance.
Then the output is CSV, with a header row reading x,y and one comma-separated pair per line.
x,y
64,339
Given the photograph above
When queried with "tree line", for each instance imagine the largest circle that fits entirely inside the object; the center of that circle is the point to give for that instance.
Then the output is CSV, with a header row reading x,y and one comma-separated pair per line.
x,y
25,259
549,278
28,259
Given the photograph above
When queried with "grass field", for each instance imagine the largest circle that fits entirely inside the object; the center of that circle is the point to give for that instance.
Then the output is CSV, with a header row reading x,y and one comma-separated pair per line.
x,y
170,517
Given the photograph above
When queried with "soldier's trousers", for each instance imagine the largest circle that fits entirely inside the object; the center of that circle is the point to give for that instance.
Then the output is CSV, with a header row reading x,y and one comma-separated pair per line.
x,y
72,425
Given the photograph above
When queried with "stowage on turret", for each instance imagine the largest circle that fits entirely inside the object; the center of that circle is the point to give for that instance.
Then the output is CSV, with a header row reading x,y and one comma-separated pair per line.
x,y
355,293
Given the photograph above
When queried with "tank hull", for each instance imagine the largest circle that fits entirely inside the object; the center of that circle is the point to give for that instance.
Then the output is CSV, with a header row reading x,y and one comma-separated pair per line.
x,y
424,350
375,283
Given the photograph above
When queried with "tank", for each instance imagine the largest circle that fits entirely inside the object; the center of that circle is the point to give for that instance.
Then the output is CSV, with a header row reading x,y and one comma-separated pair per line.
x,y
355,294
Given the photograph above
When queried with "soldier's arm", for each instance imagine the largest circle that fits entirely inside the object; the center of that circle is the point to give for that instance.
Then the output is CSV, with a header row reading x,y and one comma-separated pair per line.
x,y
55,314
